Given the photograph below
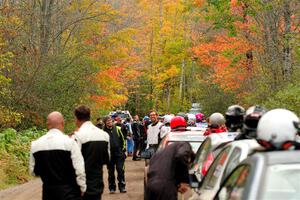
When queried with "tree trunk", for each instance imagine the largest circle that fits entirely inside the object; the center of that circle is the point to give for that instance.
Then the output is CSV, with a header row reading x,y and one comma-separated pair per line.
x,y
287,59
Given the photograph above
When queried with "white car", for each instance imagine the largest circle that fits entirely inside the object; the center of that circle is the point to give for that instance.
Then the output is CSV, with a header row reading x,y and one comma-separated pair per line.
x,y
272,175
208,150
228,158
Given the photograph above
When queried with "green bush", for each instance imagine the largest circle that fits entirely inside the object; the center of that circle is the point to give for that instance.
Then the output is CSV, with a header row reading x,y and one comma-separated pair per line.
x,y
14,155
288,98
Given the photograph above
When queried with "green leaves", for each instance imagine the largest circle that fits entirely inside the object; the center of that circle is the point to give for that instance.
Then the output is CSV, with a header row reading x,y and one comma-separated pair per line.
x,y
14,155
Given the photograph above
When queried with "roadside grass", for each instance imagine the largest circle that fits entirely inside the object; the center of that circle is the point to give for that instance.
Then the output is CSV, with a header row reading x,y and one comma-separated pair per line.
x,y
14,155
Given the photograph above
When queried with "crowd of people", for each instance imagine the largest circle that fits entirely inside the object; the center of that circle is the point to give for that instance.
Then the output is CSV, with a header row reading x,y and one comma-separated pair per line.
x,y
71,167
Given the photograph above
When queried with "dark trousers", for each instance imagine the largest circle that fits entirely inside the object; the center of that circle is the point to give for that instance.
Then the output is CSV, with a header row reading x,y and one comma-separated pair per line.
x,y
116,162
91,197
61,192
137,147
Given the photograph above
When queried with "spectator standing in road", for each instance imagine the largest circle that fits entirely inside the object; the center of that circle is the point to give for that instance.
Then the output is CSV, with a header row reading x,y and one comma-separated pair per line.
x,y
94,144
169,172
129,139
137,136
144,128
117,151
99,123
153,132
119,123
57,159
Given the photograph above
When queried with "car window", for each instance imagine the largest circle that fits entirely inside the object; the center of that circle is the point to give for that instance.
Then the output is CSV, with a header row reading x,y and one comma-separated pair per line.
x,y
233,161
202,154
195,145
282,182
216,169
234,186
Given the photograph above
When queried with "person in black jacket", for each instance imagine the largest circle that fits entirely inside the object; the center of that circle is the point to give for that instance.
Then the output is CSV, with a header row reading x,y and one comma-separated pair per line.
x,y
94,144
168,172
57,159
117,150
137,137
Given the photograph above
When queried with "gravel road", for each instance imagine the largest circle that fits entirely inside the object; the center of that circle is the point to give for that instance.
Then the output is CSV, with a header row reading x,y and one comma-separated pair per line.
x,y
134,172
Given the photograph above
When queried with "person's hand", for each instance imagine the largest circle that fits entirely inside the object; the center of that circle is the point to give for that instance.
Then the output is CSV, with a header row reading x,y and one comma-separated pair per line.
x,y
183,187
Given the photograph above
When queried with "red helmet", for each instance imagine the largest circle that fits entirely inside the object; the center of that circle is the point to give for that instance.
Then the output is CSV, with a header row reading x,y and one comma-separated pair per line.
x,y
177,122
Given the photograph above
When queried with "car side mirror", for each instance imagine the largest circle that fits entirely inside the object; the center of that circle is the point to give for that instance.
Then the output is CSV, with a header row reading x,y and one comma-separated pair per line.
x,y
194,183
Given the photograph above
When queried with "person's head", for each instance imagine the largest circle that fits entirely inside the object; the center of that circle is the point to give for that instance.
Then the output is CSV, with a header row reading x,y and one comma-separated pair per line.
x,y
216,120
178,123
277,127
234,117
199,117
160,118
146,120
153,116
184,115
167,120
118,119
55,120
82,114
108,122
251,119
136,118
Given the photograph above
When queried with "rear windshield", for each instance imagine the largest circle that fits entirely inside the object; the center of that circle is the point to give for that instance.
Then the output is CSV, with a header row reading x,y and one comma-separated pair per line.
x,y
282,182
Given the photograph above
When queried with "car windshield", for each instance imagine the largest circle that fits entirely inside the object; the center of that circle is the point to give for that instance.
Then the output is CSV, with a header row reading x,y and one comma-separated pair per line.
x,y
282,182
123,115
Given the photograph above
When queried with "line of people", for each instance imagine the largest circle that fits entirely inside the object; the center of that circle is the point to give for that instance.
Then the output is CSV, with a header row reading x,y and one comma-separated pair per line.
x,y
71,167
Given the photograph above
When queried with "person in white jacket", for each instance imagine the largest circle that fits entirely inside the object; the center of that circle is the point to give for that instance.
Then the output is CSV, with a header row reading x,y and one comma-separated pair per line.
x,y
57,159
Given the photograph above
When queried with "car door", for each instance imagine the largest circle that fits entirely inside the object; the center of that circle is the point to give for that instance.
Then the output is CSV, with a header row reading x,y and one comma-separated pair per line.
x,y
201,157
215,170
234,186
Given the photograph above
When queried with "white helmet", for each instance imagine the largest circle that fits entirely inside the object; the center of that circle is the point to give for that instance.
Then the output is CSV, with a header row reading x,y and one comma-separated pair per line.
x,y
167,119
217,119
278,126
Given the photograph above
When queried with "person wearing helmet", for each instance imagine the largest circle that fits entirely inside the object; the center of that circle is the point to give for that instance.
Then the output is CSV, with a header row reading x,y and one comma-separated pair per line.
x,y
178,123
200,120
277,130
184,115
216,124
165,129
251,118
234,118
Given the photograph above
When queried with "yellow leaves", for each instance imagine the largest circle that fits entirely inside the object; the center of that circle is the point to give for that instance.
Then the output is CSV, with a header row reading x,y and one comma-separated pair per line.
x,y
9,118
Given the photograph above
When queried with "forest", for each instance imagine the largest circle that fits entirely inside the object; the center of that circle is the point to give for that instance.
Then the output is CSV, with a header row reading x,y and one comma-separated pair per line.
x,y
146,54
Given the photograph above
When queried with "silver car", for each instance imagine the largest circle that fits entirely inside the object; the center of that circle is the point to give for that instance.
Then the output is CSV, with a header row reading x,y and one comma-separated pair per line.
x,y
208,150
229,157
264,176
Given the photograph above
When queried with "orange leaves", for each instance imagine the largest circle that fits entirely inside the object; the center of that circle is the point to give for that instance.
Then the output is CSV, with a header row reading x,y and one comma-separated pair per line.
x,y
226,56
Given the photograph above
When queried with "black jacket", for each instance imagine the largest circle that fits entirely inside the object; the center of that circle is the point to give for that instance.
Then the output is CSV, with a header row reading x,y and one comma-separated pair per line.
x,y
57,159
117,141
163,181
94,144
136,130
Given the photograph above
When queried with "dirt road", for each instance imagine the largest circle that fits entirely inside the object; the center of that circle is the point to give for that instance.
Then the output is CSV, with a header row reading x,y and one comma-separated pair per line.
x,y
134,179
